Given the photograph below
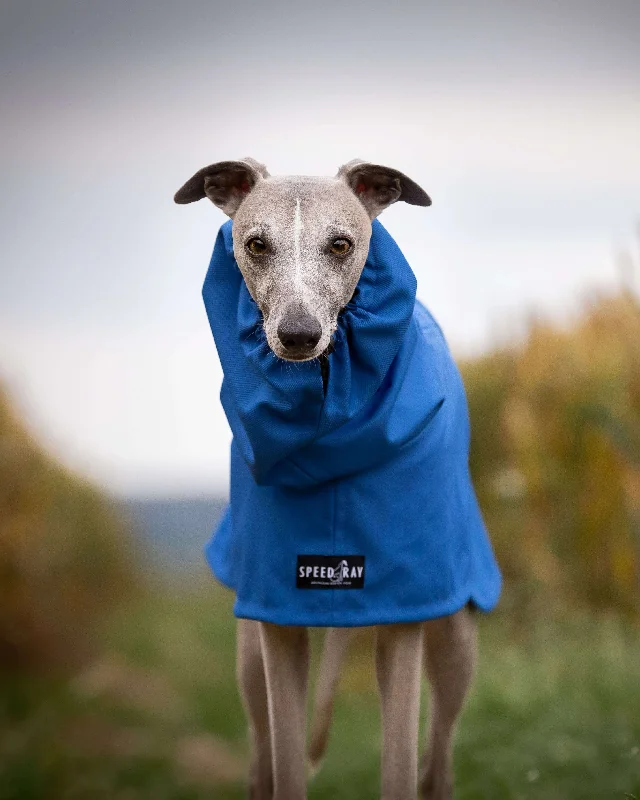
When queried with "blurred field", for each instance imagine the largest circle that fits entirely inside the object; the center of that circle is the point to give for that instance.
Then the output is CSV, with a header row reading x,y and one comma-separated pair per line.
x,y
555,715
117,684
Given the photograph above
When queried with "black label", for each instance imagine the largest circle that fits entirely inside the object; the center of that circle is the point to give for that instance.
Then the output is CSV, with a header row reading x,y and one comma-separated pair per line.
x,y
330,572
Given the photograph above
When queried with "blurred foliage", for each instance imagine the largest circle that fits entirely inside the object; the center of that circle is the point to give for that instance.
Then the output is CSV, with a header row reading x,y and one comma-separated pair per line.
x,y
556,459
64,557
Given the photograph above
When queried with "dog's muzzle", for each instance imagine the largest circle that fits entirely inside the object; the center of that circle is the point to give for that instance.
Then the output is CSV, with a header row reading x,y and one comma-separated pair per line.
x,y
299,331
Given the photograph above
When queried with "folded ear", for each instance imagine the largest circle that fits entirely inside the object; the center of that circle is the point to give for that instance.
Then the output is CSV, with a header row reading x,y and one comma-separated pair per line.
x,y
226,184
377,187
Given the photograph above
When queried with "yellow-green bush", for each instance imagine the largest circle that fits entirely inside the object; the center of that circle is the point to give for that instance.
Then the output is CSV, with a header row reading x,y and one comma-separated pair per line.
x,y
556,457
64,556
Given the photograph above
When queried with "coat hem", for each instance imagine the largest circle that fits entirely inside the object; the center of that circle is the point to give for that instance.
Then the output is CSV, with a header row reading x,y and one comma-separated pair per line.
x,y
485,603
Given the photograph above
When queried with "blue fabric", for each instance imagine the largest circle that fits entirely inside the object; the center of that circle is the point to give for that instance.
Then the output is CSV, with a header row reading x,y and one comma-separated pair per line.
x,y
376,466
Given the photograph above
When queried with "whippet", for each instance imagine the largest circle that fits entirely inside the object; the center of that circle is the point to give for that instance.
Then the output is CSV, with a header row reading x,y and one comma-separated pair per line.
x,y
300,295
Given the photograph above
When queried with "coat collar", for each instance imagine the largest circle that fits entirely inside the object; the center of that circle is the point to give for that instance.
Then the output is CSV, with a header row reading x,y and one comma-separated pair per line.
x,y
370,330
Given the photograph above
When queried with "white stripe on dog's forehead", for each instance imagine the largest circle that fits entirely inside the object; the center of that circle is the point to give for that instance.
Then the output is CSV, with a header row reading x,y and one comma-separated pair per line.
x,y
297,230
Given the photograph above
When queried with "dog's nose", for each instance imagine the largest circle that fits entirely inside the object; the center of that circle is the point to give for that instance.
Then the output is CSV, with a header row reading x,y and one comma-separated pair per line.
x,y
299,331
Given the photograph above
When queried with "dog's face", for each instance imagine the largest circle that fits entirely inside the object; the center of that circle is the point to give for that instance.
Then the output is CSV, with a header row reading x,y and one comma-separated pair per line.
x,y
300,242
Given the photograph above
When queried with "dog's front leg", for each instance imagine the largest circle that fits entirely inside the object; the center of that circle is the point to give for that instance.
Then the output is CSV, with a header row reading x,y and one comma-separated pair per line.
x,y
398,666
286,659
253,688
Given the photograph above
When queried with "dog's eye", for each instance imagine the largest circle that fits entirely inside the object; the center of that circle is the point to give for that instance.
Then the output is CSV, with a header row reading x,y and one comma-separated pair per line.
x,y
256,246
340,246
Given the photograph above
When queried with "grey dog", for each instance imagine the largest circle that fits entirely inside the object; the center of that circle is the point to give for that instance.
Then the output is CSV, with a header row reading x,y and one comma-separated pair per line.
x,y
300,298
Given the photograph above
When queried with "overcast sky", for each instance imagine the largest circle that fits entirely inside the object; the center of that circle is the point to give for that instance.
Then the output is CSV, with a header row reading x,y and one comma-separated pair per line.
x,y
521,120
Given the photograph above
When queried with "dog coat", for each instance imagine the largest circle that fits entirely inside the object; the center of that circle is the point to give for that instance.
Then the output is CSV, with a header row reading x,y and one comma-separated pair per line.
x,y
350,503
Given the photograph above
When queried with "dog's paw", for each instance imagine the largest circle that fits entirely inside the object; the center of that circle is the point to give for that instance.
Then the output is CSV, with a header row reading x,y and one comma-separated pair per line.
x,y
436,786
261,790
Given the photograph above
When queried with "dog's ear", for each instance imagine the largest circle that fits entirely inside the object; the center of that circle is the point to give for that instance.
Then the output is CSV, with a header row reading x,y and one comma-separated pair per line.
x,y
377,187
226,184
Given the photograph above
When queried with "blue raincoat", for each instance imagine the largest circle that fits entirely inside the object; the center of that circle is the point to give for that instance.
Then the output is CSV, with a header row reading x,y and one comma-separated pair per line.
x,y
350,504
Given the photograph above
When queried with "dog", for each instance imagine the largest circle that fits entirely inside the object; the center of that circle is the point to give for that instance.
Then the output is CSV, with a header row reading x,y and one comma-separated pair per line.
x,y
300,244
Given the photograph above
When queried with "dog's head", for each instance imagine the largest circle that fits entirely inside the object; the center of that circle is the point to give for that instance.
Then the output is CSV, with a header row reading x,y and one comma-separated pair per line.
x,y
301,242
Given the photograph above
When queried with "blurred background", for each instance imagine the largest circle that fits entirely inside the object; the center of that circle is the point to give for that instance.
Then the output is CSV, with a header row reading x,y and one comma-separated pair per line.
x,y
522,121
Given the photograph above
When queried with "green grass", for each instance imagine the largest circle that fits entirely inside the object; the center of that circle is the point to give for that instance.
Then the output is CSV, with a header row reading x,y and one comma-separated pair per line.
x,y
555,714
